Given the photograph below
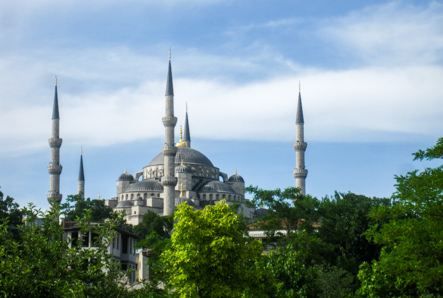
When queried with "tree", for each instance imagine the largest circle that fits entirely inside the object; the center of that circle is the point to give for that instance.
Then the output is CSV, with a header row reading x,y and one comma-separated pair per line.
x,y
208,255
286,209
42,263
75,207
343,219
10,209
411,259
152,222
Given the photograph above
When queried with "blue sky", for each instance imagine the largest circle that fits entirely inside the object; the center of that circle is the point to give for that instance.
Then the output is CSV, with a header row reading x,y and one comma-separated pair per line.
x,y
371,80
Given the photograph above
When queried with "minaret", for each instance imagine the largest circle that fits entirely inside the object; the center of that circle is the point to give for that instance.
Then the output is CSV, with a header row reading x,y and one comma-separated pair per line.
x,y
187,134
55,143
81,178
300,145
169,150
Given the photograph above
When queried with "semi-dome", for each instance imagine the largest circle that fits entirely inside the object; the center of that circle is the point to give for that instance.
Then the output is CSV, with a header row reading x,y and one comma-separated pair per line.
x,y
188,155
125,177
217,186
124,204
236,178
145,185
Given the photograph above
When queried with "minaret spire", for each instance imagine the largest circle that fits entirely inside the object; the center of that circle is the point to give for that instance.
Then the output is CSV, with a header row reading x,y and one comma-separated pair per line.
x,y
187,134
81,177
300,145
55,142
169,150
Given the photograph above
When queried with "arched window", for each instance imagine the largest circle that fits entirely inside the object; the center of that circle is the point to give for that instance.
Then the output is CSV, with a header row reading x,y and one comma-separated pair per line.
x,y
145,196
216,196
152,195
132,196
210,196
229,197
126,197
204,197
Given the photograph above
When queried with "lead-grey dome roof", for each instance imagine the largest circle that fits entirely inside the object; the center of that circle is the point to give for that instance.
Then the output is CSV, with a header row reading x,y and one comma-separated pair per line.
x,y
124,204
236,178
125,177
188,155
145,185
216,186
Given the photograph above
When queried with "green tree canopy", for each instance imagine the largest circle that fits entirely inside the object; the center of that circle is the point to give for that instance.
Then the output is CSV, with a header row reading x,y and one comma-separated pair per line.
x,y
209,256
411,259
75,206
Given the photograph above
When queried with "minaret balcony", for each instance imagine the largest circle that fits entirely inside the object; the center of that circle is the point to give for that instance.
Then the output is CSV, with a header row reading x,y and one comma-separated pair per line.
x,y
169,181
300,146
169,121
300,173
54,197
55,142
169,150
54,169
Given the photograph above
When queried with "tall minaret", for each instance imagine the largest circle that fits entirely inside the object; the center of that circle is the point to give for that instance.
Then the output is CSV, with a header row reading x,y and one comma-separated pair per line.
x,y
55,143
81,177
300,145
186,133
169,150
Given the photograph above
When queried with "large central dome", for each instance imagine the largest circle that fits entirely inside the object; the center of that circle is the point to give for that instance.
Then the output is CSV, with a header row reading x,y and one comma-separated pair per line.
x,y
188,155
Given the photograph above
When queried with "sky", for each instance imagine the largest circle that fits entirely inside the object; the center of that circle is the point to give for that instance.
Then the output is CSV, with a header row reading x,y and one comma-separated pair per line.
x,y
370,73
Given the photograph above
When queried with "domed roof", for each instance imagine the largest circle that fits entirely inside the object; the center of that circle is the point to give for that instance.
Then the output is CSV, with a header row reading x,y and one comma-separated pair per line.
x,y
236,178
217,186
188,155
145,185
124,204
125,177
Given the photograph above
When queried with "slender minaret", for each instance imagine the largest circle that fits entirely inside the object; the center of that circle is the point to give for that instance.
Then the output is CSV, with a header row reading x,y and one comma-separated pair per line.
x,y
81,178
300,145
169,150
187,134
54,168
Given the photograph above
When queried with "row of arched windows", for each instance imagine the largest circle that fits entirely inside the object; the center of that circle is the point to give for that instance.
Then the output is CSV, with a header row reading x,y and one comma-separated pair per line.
x,y
210,197
125,197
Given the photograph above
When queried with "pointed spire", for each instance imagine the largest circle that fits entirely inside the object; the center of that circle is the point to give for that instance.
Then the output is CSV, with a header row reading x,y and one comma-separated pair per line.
x,y
187,134
81,173
169,87
299,118
55,114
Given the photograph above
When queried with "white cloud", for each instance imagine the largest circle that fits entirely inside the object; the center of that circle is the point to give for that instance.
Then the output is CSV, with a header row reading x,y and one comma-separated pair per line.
x,y
391,34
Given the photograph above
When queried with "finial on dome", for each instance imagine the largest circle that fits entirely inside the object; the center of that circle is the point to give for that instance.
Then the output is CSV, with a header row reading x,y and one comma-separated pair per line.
x,y
235,172
99,196
181,190
55,80
182,162
126,172
181,143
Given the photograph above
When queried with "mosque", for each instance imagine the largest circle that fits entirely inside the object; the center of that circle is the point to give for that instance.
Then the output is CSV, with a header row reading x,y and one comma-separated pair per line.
x,y
179,173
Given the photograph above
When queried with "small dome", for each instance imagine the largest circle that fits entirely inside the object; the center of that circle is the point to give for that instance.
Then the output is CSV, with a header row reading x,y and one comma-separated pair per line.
x,y
145,185
236,178
124,204
125,177
217,186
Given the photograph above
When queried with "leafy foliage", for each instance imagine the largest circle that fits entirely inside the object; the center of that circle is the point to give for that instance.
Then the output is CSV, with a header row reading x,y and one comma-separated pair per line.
x,y
75,206
410,262
42,263
10,209
209,256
